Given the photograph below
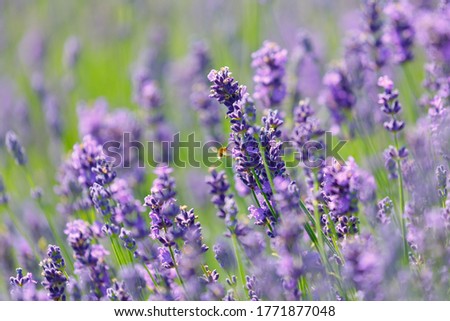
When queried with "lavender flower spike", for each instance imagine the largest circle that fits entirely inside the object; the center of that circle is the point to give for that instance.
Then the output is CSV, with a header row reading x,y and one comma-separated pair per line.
x,y
401,32
118,292
339,96
269,63
53,272
15,148
3,195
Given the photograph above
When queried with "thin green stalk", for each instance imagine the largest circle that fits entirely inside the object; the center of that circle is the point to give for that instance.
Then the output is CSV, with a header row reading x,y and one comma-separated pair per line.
x,y
23,233
238,259
266,167
402,201
269,225
304,288
175,265
151,277
116,254
52,227
308,228
258,182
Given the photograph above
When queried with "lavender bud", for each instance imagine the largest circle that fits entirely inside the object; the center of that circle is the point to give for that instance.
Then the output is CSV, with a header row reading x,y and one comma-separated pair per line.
x,y
15,148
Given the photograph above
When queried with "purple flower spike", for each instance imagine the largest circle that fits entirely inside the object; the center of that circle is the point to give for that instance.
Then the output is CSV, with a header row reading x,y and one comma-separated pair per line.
x,y
53,272
269,63
401,32
225,89
343,186
3,196
118,292
339,96
15,148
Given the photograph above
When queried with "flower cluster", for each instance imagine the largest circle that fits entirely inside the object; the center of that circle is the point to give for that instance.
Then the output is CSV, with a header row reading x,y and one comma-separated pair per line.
x,y
341,190
269,64
15,148
401,32
53,271
89,258
339,96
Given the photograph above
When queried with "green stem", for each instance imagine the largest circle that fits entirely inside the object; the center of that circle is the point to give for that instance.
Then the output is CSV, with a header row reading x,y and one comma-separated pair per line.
x,y
23,233
269,225
258,182
52,227
308,228
402,201
266,167
238,259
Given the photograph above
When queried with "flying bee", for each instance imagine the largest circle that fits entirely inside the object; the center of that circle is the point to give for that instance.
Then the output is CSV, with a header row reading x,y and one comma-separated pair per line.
x,y
222,152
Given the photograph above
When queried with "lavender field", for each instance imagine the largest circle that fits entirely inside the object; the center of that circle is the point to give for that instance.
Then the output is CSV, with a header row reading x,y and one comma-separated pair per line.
x,y
224,150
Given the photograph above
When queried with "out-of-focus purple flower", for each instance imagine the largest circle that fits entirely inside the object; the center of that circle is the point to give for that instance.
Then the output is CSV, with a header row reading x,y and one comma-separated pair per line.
x,y
118,292
79,237
441,176
148,94
165,258
128,240
3,196
269,63
373,28
33,49
101,199
307,128
385,210
55,280
14,111
306,68
137,281
224,255
71,52
356,59
251,288
401,33
15,148
171,222
161,202
221,198
207,109
289,237
52,110
341,190
190,228
86,166
363,266
89,258
287,196
128,209
338,95
111,126
87,160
